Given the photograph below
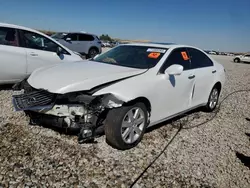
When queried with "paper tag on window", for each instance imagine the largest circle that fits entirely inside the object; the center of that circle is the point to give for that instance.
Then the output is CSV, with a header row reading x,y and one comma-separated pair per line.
x,y
154,55
156,50
185,56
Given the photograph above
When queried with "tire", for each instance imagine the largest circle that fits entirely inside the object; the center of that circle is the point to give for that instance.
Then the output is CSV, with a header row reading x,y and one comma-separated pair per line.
x,y
120,132
92,53
236,60
213,99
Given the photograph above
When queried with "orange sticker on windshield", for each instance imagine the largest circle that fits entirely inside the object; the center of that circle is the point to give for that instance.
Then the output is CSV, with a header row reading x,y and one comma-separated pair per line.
x,y
154,55
184,56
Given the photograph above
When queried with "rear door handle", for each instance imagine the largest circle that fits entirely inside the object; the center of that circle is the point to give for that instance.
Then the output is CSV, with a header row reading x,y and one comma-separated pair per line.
x,y
214,71
191,77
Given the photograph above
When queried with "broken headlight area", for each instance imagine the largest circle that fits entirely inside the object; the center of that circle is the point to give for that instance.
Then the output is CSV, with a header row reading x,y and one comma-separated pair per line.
x,y
78,110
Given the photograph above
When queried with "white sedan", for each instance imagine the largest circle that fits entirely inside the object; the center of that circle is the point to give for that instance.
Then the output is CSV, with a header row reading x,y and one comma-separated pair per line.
x,y
22,50
124,91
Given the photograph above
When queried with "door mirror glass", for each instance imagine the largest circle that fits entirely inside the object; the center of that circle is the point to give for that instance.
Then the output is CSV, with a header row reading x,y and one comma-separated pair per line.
x,y
174,70
68,39
59,51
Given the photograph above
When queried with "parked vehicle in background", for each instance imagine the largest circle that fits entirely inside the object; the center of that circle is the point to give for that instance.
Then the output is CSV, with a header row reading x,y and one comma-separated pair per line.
x,y
242,58
114,44
83,43
22,50
106,44
212,53
123,91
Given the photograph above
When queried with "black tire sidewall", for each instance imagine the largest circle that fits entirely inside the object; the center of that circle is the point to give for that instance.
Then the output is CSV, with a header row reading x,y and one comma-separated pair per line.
x,y
96,52
113,126
236,60
209,109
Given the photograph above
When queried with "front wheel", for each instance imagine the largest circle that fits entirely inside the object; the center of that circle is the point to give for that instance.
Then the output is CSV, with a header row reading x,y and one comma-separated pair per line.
x,y
236,60
125,126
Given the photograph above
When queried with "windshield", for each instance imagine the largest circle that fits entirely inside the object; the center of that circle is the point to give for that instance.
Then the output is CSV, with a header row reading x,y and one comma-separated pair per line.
x,y
58,35
141,57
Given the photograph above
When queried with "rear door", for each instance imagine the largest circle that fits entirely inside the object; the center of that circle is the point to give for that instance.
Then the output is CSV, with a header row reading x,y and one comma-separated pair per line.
x,y
204,72
86,42
41,51
12,56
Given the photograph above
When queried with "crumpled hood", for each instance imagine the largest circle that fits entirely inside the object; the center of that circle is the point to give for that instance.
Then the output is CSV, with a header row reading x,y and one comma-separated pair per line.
x,y
78,76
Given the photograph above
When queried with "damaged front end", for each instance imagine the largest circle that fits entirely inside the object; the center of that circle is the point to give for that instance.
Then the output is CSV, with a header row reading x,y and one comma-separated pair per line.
x,y
77,110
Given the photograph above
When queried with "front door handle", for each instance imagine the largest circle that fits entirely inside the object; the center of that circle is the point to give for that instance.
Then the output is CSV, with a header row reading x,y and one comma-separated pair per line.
x,y
191,77
214,71
33,54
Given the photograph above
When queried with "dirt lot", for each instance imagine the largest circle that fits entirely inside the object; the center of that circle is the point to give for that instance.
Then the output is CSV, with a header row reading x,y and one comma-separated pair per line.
x,y
32,156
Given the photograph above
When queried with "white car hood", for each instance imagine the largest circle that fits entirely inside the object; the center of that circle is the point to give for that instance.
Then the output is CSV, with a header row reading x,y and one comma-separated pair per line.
x,y
78,76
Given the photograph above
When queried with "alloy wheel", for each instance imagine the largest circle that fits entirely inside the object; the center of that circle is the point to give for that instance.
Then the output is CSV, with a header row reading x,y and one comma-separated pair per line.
x,y
132,125
213,98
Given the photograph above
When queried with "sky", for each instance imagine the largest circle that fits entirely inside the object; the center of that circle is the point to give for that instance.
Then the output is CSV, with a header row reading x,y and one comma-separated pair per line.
x,y
208,24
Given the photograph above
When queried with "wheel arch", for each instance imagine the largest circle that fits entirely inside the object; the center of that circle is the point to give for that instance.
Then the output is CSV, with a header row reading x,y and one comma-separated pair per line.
x,y
144,100
218,85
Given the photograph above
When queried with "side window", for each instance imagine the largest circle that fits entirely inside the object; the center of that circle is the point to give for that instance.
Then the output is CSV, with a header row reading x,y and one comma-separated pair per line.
x,y
8,36
73,36
178,56
83,37
39,42
247,55
199,59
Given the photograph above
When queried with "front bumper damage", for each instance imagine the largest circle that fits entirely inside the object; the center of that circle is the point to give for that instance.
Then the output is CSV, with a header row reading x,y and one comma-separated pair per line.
x,y
78,110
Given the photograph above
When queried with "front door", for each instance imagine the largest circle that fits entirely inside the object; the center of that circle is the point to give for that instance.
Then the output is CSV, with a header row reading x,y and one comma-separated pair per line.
x,y
176,91
74,43
41,51
246,58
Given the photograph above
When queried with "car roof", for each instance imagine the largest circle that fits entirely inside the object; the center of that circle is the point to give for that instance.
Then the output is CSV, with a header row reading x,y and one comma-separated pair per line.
x,y
160,45
19,27
33,30
78,32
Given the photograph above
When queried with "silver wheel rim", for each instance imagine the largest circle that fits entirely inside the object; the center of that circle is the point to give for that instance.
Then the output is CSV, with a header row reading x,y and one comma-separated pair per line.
x,y
213,98
92,53
132,125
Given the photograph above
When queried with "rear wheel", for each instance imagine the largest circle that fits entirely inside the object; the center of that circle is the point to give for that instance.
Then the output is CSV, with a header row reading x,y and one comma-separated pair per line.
x,y
92,53
213,99
126,126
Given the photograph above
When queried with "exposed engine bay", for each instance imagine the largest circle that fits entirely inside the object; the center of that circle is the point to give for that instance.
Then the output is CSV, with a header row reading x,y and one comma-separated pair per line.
x,y
77,110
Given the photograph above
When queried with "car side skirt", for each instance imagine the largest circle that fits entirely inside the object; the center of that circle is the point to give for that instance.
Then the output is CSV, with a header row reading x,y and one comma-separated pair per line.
x,y
175,115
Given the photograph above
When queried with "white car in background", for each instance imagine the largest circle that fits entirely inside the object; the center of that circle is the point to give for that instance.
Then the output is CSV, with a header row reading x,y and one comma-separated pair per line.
x,y
22,50
242,58
124,90
84,43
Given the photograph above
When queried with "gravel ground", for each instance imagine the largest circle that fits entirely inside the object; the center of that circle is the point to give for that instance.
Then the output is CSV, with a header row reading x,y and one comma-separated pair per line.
x,y
32,156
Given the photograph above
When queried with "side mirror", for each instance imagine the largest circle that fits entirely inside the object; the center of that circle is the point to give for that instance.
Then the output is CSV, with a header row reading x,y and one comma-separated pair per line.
x,y
68,39
59,51
174,70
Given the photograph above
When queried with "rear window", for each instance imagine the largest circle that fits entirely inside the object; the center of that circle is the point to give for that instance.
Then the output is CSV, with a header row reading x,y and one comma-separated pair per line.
x,y
199,59
141,57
